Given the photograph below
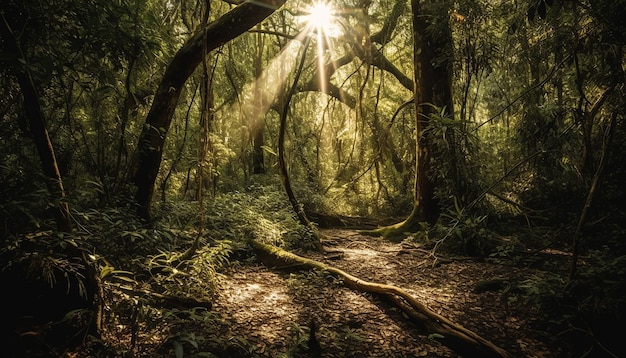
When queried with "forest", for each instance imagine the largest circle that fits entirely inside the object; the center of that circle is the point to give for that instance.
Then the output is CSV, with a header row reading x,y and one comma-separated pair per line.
x,y
279,178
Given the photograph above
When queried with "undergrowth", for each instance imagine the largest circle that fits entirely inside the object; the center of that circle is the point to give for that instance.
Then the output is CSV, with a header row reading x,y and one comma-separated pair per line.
x,y
138,262
230,220
151,291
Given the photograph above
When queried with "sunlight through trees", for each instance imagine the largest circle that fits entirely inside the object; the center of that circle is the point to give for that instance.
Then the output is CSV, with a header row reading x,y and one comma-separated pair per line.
x,y
460,130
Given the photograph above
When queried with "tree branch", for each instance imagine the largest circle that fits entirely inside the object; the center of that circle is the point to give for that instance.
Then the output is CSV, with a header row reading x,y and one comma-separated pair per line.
x,y
185,61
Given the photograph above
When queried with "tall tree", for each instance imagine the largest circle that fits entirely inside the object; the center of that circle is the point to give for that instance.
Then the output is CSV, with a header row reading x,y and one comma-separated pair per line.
x,y
433,90
257,122
432,39
184,63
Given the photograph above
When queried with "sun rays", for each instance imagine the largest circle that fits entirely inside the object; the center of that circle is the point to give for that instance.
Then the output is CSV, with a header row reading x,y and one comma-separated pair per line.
x,y
321,17
318,23
321,21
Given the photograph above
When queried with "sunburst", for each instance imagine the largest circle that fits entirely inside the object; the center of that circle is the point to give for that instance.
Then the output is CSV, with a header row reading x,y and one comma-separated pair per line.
x,y
320,17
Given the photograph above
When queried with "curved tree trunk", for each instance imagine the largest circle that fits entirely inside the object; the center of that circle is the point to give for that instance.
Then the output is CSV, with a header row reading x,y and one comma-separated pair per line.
x,y
282,166
184,63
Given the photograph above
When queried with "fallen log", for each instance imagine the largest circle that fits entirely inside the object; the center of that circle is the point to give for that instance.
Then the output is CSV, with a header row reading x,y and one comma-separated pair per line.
x,y
458,338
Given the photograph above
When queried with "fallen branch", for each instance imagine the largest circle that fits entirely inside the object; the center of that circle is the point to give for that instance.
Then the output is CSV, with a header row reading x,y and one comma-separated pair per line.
x,y
455,336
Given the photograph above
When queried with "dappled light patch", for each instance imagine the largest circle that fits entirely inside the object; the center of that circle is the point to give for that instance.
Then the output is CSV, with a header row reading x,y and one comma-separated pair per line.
x,y
151,149
354,324
350,324
264,294
244,293
257,300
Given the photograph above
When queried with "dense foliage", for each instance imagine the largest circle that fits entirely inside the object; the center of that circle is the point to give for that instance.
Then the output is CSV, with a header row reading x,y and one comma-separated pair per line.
x,y
530,157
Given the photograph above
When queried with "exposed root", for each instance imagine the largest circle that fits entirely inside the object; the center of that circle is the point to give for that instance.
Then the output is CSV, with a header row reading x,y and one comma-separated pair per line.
x,y
455,336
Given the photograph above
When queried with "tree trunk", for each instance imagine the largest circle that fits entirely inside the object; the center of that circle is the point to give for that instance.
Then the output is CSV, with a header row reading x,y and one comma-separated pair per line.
x,y
456,337
184,63
258,161
257,124
37,123
433,85
432,90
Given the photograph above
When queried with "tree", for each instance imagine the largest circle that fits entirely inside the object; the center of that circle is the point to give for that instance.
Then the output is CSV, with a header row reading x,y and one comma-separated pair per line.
x,y
184,63
257,124
38,129
284,174
433,92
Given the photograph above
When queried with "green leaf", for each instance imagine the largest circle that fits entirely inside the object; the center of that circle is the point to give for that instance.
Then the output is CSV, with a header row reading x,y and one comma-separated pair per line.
x,y
178,349
106,271
269,150
206,354
71,242
127,279
435,336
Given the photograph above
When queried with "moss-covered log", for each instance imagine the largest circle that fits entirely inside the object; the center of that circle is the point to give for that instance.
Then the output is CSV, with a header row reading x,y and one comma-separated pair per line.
x,y
455,336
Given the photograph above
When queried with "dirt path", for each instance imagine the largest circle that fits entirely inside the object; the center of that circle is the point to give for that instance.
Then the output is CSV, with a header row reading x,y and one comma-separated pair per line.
x,y
273,310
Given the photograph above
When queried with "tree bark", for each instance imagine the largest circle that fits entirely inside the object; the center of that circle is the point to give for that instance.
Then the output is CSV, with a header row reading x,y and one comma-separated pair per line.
x,y
184,63
433,85
257,125
456,336
38,129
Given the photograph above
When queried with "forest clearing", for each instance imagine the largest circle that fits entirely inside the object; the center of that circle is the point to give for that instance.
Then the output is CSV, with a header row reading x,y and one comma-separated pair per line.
x,y
272,178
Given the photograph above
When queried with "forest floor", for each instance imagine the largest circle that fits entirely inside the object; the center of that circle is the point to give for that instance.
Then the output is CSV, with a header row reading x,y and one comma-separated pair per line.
x,y
269,313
